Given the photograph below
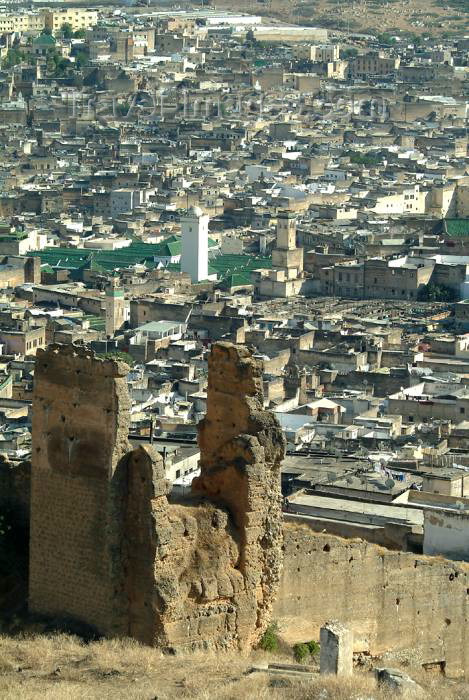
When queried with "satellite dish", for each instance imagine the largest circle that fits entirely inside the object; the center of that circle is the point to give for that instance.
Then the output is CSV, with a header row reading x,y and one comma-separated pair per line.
x,y
390,483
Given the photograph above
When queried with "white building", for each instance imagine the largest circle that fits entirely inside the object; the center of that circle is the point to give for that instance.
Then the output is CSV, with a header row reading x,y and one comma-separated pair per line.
x,y
125,199
194,258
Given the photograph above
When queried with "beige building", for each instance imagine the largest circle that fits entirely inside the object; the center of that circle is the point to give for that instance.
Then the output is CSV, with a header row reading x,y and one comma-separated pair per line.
x,y
429,401
21,22
402,278
321,53
23,342
76,17
374,63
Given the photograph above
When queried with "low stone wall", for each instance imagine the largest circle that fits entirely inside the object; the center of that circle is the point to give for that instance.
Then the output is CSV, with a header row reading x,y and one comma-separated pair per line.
x,y
392,600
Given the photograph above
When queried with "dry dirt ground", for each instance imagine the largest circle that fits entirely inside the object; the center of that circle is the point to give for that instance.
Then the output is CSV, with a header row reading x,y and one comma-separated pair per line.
x,y
414,16
61,667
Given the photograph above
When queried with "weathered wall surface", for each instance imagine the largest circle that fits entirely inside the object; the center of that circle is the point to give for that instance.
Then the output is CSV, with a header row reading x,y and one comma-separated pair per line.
x,y
242,447
108,548
392,600
79,435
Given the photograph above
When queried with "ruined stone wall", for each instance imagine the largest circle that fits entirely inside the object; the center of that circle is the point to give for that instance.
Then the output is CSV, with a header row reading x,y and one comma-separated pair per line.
x,y
209,568
110,548
242,447
392,600
79,435
107,545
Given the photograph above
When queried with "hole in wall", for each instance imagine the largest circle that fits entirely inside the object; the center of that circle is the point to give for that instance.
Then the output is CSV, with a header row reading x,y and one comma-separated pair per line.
x,y
398,601
451,577
448,621
326,548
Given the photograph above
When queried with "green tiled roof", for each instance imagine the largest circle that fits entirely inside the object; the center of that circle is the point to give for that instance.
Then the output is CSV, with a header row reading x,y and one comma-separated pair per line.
x,y
137,252
231,262
144,253
97,323
14,236
44,40
238,279
456,228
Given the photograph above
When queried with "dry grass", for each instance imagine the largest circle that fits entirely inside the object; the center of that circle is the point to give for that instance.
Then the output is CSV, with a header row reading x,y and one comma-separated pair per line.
x,y
415,16
61,667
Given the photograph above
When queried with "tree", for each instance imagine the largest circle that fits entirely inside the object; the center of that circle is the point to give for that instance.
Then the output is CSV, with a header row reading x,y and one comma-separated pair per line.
x,y
250,38
81,59
351,52
363,158
66,30
436,292
79,34
386,38
122,109
13,58
46,31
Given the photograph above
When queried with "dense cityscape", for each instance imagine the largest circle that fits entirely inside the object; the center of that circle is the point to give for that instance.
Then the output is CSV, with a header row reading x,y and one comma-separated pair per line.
x,y
234,263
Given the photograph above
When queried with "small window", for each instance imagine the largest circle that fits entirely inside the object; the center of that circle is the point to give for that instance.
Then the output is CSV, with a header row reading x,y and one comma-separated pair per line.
x,y
462,410
411,419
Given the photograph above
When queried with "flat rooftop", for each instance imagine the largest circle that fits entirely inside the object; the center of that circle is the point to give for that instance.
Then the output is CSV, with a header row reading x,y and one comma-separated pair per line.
x,y
355,511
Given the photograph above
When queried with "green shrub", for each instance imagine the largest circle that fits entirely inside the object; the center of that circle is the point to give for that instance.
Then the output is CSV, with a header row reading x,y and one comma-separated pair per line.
x,y
269,641
300,652
117,355
313,647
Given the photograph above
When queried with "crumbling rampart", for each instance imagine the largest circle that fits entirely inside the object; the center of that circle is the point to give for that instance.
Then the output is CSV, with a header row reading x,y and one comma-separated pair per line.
x,y
108,547
393,601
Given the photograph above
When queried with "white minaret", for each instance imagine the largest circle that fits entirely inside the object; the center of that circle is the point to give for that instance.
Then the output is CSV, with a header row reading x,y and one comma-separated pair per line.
x,y
194,258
